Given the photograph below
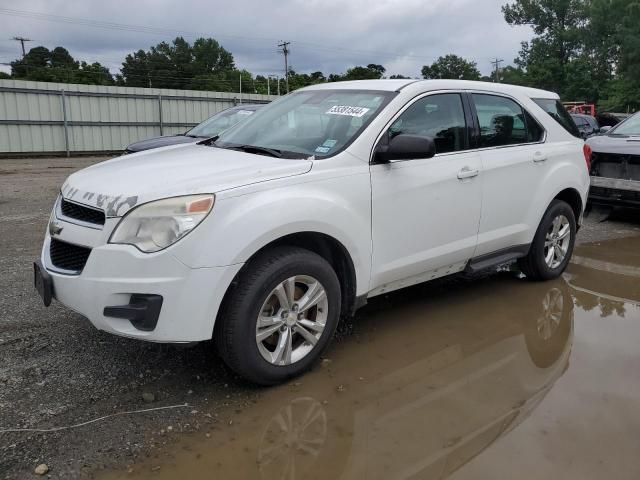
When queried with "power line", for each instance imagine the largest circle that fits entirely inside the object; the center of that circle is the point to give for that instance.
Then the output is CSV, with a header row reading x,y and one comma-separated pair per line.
x,y
22,40
285,51
165,31
284,46
496,63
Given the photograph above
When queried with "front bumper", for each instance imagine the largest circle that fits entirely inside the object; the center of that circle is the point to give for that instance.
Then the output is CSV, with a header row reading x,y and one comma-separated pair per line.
x,y
614,192
113,274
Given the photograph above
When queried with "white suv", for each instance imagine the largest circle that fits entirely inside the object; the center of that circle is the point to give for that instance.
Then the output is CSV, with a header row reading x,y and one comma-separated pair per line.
x,y
264,236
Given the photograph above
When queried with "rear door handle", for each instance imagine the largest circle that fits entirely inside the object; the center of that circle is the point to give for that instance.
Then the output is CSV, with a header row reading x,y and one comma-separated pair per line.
x,y
467,172
539,157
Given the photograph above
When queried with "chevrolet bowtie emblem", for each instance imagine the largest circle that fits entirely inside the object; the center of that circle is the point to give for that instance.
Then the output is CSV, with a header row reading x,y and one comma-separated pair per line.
x,y
54,229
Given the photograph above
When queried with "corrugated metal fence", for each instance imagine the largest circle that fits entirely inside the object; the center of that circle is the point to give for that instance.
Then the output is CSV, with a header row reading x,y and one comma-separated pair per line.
x,y
39,118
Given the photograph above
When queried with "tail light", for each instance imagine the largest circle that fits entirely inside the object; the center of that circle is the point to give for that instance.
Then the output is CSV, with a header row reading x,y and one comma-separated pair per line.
x,y
586,149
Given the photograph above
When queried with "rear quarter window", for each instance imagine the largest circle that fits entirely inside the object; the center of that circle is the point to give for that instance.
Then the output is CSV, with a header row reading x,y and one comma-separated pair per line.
x,y
556,110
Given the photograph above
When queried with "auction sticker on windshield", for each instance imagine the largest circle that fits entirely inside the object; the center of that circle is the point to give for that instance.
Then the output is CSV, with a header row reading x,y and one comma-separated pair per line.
x,y
347,110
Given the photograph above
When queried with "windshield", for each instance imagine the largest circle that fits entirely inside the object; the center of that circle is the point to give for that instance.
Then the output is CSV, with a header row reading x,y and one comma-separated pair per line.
x,y
557,111
630,126
219,122
316,123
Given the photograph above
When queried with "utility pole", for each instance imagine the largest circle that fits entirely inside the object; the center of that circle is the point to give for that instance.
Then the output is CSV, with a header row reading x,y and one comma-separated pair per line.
x,y
241,88
285,50
496,63
268,86
22,40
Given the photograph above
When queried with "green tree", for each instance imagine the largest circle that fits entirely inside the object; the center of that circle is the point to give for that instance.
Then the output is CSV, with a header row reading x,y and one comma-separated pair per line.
x,y
624,92
511,75
300,80
583,49
135,70
602,38
451,67
180,65
37,58
93,74
210,56
378,69
559,27
370,72
61,58
58,65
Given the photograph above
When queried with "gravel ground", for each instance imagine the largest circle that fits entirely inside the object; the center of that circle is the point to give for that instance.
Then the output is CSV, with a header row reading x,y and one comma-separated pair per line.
x,y
57,371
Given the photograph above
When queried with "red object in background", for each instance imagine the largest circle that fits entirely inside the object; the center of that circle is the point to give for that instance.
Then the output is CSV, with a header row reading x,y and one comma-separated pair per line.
x,y
586,149
581,107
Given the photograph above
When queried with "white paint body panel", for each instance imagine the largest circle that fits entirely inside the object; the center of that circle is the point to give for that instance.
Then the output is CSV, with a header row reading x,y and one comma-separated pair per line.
x,y
424,217
400,223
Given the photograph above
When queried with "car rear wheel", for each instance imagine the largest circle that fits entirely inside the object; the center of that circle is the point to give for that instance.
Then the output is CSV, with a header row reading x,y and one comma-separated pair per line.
x,y
552,245
280,316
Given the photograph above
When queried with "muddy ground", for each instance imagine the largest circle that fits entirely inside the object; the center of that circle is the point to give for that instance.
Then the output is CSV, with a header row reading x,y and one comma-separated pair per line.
x,y
494,377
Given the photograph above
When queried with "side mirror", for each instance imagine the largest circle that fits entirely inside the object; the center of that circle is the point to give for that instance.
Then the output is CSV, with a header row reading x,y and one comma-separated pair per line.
x,y
406,147
605,129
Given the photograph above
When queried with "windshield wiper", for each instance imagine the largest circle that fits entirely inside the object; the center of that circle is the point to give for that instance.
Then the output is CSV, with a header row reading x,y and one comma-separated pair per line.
x,y
256,149
211,141
244,148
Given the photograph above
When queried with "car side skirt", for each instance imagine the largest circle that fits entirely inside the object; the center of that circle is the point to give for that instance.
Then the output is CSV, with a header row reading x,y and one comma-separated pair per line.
x,y
499,257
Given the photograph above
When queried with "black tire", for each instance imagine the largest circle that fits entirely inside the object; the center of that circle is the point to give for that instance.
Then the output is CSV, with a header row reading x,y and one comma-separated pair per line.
x,y
235,331
534,265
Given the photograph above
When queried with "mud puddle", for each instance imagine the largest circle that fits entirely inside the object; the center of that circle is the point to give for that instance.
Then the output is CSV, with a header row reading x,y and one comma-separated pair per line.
x,y
495,378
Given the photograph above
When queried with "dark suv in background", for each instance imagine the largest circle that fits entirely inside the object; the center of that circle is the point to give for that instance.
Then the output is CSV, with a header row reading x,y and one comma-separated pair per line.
x,y
587,125
211,127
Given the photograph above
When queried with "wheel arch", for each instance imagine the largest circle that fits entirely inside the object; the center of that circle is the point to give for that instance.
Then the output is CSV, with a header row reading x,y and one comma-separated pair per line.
x,y
573,198
329,248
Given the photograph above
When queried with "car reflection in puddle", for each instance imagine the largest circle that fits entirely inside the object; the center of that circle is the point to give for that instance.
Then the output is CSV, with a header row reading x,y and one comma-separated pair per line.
x,y
427,380
432,396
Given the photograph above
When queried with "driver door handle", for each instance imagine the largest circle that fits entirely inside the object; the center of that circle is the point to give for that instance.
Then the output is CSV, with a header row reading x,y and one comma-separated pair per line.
x,y
467,172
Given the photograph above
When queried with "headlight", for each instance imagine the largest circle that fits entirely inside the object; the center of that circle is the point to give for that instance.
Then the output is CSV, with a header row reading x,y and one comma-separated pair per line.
x,y
156,225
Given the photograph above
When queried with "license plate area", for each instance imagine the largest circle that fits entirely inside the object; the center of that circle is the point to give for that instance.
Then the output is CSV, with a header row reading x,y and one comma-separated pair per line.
x,y
43,283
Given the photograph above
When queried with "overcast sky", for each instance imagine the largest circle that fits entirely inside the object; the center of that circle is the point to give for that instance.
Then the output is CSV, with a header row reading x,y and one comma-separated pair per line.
x,y
325,35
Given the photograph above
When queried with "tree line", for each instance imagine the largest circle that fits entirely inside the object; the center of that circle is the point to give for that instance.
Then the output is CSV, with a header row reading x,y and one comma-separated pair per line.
x,y
203,65
583,49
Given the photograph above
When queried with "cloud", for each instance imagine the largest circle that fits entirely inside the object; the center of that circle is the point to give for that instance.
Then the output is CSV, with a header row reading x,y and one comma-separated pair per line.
x,y
326,35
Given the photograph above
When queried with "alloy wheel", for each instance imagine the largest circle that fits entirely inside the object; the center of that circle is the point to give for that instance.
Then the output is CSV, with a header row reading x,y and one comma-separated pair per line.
x,y
292,320
557,241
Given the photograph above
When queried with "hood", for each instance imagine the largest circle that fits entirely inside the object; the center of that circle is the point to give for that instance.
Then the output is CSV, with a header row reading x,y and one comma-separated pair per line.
x,y
120,184
158,142
613,144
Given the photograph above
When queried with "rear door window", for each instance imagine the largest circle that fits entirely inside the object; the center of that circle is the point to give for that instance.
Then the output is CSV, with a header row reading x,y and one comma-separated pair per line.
x,y
504,122
557,111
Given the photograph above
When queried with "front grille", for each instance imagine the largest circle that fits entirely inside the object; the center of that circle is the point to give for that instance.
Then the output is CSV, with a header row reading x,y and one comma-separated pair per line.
x,y
68,256
82,213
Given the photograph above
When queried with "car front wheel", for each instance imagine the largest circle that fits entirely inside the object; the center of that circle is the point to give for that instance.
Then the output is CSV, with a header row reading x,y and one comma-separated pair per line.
x,y
280,316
